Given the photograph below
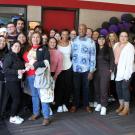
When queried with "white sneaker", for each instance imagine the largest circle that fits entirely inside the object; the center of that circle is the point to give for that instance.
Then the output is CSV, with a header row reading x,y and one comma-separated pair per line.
x,y
15,120
51,112
103,111
60,109
98,108
95,104
65,108
20,118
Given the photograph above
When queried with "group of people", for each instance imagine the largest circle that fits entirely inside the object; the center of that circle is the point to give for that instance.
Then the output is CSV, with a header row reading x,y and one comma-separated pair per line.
x,y
78,60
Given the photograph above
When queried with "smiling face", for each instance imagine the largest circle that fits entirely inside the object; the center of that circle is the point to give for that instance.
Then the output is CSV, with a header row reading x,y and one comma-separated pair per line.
x,y
35,39
44,39
30,32
73,34
123,37
112,37
11,28
89,33
3,32
2,42
20,25
52,43
16,47
52,33
95,35
57,36
65,35
101,41
82,30
22,38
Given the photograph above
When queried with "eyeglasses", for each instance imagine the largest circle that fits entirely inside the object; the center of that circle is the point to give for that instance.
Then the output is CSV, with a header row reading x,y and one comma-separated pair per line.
x,y
10,26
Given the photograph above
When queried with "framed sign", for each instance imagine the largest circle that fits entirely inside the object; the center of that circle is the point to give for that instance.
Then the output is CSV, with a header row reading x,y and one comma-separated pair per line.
x,y
33,24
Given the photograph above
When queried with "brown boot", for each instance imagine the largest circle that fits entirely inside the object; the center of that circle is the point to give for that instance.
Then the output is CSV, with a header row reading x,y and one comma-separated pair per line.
x,y
33,117
88,109
121,107
73,109
124,112
46,122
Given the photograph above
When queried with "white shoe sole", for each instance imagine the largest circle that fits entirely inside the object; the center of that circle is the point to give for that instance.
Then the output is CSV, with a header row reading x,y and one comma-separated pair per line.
x,y
15,122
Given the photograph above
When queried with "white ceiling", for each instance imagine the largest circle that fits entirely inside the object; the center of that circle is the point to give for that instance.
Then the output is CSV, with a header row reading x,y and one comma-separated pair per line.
x,y
127,2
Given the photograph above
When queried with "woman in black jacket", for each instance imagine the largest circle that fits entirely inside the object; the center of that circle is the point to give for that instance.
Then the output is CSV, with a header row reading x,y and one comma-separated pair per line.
x,y
104,67
13,68
3,51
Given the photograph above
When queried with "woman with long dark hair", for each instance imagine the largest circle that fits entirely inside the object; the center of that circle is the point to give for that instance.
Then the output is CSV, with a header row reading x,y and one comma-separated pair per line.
x,y
65,77
104,67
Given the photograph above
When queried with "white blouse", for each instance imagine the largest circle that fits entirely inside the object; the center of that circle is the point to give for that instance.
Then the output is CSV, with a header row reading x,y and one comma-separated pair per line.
x,y
66,52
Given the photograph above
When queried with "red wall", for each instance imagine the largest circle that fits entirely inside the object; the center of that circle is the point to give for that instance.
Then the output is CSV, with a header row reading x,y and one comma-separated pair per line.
x,y
73,4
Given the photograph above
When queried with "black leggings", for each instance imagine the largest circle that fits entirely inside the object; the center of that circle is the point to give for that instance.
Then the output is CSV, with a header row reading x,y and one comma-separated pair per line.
x,y
14,90
63,87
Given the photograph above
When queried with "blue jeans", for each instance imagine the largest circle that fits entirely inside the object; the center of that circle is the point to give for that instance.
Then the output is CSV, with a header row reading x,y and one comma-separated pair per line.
x,y
36,99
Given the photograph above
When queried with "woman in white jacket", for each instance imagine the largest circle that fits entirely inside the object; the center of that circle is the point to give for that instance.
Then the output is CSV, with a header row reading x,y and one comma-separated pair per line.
x,y
124,59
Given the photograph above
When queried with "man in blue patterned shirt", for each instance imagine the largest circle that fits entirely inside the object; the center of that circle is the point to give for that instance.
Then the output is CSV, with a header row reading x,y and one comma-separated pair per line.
x,y
83,60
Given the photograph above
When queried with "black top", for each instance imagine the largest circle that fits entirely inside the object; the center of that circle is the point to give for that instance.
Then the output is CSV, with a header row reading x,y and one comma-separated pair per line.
x,y
42,54
11,39
3,52
12,63
105,59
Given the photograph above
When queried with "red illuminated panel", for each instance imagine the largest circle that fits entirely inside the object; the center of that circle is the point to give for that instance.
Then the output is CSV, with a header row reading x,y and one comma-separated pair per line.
x,y
58,19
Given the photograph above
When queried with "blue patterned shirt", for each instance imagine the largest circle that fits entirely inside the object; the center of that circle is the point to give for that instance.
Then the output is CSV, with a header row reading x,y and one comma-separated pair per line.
x,y
83,55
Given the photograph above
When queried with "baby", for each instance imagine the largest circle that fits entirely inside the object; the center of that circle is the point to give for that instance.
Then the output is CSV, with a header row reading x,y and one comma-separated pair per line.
x,y
32,59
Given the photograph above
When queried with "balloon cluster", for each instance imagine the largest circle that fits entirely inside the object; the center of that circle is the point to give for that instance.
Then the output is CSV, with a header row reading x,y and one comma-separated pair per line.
x,y
127,22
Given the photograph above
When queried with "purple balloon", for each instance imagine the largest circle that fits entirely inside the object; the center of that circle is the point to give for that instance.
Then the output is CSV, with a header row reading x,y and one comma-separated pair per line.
x,y
121,26
127,17
104,32
113,28
127,26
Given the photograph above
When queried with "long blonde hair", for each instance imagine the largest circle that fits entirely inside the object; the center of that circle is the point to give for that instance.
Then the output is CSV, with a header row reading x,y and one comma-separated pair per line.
x,y
115,38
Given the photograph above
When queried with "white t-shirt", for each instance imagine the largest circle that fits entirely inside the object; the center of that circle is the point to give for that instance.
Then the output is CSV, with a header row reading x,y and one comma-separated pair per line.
x,y
66,52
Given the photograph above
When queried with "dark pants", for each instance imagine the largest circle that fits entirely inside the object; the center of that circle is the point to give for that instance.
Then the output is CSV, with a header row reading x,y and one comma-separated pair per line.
x,y
80,80
1,94
101,85
112,89
122,88
91,91
63,87
14,90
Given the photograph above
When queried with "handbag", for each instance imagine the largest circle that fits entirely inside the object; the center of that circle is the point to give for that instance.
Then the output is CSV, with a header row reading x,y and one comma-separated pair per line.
x,y
47,95
45,83
40,78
